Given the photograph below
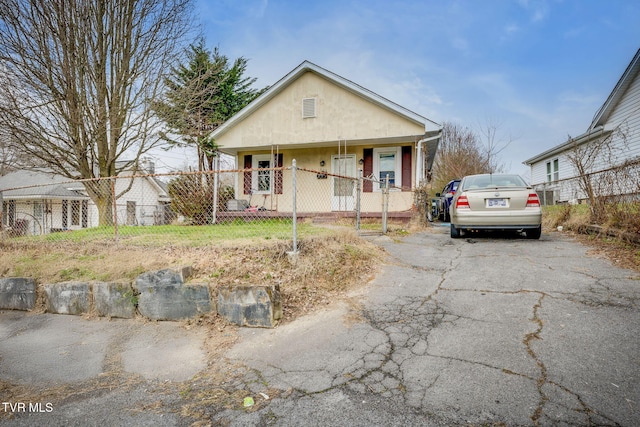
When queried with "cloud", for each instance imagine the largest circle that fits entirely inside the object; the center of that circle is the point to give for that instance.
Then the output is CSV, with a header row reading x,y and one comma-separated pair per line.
x,y
511,29
538,9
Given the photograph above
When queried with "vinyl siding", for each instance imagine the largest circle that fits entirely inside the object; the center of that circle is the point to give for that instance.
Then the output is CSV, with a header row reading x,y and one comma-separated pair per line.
x,y
624,124
626,117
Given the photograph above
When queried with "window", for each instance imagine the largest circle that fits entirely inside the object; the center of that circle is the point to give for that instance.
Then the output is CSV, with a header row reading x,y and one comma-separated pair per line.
x,y
308,108
553,172
38,210
262,177
9,213
259,175
387,162
388,168
75,212
131,213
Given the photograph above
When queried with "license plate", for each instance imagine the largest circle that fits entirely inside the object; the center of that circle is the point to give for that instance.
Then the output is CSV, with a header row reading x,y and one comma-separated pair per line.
x,y
496,203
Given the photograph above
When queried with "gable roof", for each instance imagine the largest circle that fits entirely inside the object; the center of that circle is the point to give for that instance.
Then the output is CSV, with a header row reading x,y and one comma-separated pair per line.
x,y
348,85
596,128
32,184
621,87
44,184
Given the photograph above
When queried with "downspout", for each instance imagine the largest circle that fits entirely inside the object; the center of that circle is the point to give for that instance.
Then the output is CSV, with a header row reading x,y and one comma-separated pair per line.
x,y
420,175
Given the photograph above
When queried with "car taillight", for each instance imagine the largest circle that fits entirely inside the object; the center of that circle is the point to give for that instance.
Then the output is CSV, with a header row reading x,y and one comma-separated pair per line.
x,y
462,203
533,201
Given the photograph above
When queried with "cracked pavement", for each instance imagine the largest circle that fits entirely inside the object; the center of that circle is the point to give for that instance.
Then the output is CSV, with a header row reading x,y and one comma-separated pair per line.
x,y
486,330
489,330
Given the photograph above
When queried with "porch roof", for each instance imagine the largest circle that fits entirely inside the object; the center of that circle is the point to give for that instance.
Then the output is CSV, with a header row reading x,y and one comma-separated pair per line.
x,y
30,184
323,144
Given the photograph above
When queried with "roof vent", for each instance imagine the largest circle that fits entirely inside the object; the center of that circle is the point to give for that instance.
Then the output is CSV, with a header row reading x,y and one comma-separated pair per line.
x,y
308,107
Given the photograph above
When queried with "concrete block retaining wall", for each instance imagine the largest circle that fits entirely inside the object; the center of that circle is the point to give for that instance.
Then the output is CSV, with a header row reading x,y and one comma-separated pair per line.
x,y
17,293
156,295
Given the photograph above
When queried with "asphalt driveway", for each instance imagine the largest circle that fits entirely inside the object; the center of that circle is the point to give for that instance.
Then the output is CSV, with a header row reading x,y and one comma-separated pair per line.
x,y
478,331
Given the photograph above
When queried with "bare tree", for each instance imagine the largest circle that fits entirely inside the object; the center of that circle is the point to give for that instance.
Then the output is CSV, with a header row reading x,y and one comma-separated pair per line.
x,y
600,168
493,144
460,153
8,155
78,78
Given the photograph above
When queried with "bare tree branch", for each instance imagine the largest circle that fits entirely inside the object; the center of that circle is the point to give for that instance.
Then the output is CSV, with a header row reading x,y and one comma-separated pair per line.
x,y
78,77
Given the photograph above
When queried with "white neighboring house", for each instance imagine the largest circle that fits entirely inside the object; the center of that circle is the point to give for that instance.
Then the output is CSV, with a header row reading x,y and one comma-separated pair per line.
x,y
618,123
38,202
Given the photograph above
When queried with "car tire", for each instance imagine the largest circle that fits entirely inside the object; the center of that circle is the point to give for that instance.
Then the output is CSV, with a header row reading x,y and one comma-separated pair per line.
x,y
429,216
455,233
534,233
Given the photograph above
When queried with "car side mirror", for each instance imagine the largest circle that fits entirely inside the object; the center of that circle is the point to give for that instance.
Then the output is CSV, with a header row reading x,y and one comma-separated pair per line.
x,y
437,194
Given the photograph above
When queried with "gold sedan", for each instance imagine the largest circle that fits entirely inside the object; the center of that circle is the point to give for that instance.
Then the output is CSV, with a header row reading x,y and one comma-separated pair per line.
x,y
495,202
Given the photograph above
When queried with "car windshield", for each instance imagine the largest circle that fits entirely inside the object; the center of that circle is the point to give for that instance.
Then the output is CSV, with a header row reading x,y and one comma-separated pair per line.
x,y
492,181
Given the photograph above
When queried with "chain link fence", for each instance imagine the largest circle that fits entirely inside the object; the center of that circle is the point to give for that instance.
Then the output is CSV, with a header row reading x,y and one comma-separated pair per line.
x,y
613,194
273,203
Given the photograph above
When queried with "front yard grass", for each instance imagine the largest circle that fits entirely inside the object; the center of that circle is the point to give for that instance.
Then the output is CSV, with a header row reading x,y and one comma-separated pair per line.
x,y
181,235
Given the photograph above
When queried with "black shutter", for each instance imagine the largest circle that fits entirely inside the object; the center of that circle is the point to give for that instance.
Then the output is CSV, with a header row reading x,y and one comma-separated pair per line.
x,y
247,174
367,169
277,176
406,168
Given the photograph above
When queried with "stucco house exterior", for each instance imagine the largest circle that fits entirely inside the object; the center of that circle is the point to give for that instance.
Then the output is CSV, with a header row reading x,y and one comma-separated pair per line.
x,y
38,202
327,124
612,139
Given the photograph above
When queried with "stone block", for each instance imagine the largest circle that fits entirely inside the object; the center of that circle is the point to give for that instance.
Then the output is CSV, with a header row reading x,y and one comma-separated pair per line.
x,y
164,296
114,300
68,297
256,306
17,293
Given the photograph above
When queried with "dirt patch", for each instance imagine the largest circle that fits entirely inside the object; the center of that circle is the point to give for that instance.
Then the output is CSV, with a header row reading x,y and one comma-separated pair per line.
x,y
619,252
576,219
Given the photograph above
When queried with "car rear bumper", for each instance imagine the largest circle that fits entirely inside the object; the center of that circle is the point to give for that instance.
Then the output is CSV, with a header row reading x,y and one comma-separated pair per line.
x,y
497,220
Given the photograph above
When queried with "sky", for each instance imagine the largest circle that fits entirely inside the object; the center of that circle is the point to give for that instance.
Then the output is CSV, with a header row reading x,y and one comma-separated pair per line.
x,y
537,70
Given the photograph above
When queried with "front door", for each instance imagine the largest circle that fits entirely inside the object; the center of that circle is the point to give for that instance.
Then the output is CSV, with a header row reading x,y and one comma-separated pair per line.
x,y
343,189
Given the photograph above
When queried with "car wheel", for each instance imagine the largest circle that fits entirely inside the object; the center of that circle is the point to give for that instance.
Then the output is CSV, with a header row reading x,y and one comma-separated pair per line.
x,y
429,216
455,233
534,233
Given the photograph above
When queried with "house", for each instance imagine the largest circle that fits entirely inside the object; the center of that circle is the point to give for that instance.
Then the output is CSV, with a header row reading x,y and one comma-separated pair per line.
x,y
611,142
38,202
333,127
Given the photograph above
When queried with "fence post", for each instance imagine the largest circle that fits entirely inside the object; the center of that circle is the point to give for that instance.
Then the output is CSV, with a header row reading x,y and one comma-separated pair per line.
x,y
115,208
294,210
1,217
358,192
385,204
216,170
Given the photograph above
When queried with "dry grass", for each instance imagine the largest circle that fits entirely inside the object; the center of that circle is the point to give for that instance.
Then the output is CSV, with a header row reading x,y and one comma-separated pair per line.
x,y
328,265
